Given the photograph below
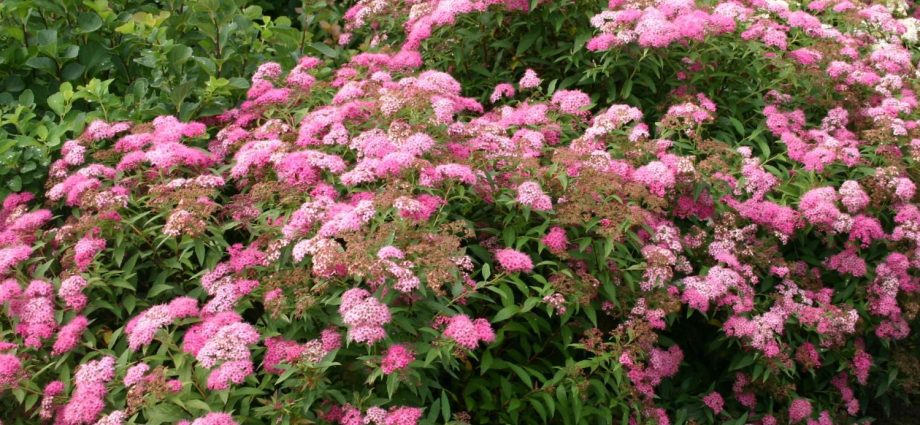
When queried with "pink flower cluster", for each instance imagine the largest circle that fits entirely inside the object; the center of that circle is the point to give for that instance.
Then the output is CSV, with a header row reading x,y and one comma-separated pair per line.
x,y
512,260
364,315
397,357
220,343
469,333
350,415
661,364
88,398
531,195
143,328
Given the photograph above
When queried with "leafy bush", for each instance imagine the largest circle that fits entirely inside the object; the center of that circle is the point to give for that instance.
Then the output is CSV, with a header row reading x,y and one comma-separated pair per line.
x,y
129,60
738,242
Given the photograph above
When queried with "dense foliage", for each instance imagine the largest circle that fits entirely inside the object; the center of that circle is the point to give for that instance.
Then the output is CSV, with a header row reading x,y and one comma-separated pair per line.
x,y
67,62
495,212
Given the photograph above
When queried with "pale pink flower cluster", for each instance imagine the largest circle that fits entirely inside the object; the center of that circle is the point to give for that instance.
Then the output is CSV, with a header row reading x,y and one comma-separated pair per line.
x,y
48,408
799,410
419,208
164,149
350,415
656,176
364,315
214,418
99,129
142,328
720,285
220,343
531,195
225,288
34,308
88,398
502,90
529,80
556,301
280,350
406,280
573,102
117,417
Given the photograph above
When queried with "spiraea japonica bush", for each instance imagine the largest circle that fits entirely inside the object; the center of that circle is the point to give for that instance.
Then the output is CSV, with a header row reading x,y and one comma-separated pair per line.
x,y
382,243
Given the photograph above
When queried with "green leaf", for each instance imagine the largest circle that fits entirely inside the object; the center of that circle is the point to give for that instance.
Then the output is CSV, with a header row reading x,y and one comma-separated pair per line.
x,y
88,22
324,49
57,104
486,362
45,37
15,184
94,55
527,41
521,373
72,71
179,54
445,406
42,63
506,313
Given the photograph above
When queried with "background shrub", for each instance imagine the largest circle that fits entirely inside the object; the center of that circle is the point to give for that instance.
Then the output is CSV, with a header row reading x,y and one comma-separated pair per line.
x,y
67,62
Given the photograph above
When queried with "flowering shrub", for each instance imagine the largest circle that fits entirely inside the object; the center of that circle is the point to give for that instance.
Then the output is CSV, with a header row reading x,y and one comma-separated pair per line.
x,y
365,243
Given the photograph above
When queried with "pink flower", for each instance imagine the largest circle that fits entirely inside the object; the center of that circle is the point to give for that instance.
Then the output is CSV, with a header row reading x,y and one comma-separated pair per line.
x,y
865,230
468,333
862,362
531,195
556,240
69,335
99,129
86,250
397,357
52,390
501,90
799,409
530,80
331,339
71,291
143,327
36,314
135,374
808,356
847,262
853,197
280,350
11,256
715,402
10,366
571,101
115,418
215,419
656,176
88,399
364,315
514,261
403,416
